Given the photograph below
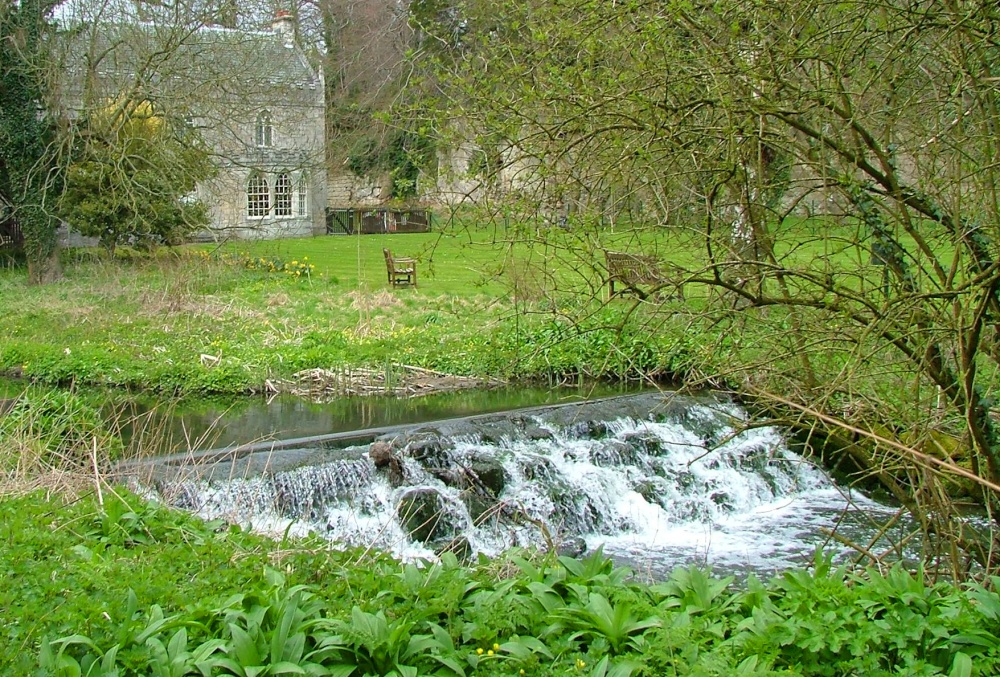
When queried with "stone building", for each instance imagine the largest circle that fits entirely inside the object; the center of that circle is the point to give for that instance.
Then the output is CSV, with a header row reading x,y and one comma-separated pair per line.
x,y
253,95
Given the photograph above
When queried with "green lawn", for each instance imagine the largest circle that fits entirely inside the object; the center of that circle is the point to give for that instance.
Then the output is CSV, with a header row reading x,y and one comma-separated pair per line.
x,y
513,303
224,319
445,264
471,261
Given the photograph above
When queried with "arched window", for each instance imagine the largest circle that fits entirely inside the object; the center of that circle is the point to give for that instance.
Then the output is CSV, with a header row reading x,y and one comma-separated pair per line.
x,y
283,195
265,130
258,196
302,195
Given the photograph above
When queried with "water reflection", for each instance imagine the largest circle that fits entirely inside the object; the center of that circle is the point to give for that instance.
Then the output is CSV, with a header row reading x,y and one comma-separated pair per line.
x,y
164,427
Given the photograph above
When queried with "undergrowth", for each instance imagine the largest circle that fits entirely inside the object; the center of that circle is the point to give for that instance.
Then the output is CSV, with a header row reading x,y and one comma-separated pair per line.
x,y
131,588
44,433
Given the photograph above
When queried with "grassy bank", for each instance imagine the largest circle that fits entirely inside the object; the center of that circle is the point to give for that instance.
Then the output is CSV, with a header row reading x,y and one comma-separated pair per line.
x,y
130,589
491,302
226,320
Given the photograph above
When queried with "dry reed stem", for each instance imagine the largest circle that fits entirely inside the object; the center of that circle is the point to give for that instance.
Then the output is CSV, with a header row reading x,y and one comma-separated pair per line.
x,y
97,475
923,460
53,482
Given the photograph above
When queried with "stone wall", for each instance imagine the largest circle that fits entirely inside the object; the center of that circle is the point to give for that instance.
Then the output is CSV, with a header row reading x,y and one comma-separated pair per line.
x,y
345,189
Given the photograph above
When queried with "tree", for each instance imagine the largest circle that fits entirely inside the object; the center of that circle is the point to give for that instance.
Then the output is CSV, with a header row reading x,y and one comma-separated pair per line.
x,y
133,178
31,171
826,131
40,96
364,47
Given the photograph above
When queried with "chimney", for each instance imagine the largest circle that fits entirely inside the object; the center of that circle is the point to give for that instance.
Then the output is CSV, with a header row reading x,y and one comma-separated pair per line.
x,y
284,26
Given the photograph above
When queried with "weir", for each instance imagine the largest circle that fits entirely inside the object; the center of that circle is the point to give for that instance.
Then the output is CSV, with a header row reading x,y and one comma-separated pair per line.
x,y
656,480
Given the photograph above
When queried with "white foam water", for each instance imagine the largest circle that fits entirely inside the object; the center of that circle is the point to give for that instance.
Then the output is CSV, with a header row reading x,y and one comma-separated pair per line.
x,y
652,494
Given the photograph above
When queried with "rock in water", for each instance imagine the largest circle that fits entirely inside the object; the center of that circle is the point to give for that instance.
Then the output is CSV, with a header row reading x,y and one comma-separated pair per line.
x,y
381,454
384,456
424,516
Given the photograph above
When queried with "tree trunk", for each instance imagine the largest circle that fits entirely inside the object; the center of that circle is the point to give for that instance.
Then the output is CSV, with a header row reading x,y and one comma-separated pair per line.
x,y
45,270
41,245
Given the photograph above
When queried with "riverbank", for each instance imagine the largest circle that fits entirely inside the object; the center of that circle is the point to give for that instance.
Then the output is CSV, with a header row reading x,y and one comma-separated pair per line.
x,y
134,587
222,322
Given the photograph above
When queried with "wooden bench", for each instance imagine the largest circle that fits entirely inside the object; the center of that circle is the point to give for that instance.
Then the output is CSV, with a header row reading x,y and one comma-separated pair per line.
x,y
632,272
401,271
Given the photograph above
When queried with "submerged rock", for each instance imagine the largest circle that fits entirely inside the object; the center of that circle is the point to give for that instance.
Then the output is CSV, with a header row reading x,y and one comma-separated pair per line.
x,y
459,546
488,474
480,482
646,443
482,508
430,450
616,453
537,468
536,433
722,499
452,477
424,515
593,430
650,488
572,547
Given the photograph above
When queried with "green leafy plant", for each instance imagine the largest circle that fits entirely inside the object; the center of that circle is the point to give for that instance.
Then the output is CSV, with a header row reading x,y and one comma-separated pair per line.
x,y
134,176
56,657
694,591
271,634
603,625
377,646
173,659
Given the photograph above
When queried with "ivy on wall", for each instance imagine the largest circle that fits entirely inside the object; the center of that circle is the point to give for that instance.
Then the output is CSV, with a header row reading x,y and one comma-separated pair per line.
x,y
401,153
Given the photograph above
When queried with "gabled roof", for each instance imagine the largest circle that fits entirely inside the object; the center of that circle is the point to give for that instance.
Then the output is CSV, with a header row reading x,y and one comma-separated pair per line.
x,y
190,60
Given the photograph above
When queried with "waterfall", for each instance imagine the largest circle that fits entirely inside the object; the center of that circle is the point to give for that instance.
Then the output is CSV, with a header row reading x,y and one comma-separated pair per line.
x,y
653,485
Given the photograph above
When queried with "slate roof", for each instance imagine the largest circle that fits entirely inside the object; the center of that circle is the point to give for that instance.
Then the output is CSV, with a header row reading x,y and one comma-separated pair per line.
x,y
199,61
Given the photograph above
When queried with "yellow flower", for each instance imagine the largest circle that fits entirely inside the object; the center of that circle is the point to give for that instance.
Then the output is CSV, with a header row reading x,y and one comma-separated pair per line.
x,y
490,652
496,647
521,672
479,652
580,664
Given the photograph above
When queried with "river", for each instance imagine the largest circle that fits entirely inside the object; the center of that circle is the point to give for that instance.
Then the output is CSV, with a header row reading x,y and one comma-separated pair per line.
x,y
654,479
